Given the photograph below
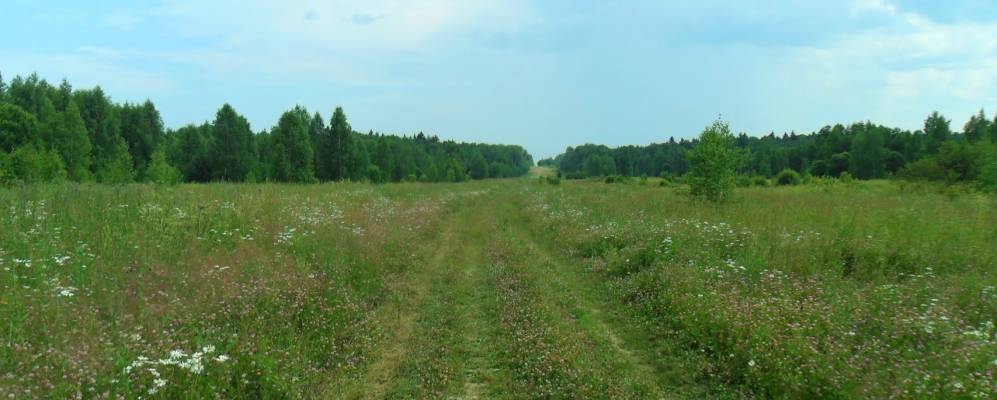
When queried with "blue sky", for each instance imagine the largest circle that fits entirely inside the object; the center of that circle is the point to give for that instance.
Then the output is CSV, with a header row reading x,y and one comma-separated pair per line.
x,y
544,74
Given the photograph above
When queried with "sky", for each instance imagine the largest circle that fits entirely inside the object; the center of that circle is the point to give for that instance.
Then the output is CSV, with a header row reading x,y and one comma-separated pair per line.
x,y
545,74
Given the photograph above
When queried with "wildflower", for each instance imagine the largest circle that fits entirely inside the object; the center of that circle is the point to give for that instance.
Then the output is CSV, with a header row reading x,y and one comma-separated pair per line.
x,y
751,363
223,358
208,349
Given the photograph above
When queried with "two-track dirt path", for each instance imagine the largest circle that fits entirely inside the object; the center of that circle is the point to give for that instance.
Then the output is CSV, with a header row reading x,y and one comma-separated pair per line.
x,y
497,312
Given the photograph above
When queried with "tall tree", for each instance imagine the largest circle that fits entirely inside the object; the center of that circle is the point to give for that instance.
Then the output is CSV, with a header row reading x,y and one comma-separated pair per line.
x,y
867,152
111,161
189,150
337,147
712,163
233,151
292,148
142,128
936,127
73,144
316,134
17,128
977,128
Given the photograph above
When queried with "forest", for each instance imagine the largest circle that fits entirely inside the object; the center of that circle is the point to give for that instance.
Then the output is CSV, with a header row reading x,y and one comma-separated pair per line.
x,y
50,133
861,150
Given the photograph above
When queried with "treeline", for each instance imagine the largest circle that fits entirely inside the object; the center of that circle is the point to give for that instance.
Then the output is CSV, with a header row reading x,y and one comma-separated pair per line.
x,y
51,133
862,150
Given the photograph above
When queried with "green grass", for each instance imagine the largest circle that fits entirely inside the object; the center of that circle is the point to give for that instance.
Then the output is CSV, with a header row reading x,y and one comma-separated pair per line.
x,y
496,289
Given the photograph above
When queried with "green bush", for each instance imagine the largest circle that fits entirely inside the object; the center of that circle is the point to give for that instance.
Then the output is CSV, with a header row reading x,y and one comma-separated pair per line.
x,y
553,180
787,177
759,180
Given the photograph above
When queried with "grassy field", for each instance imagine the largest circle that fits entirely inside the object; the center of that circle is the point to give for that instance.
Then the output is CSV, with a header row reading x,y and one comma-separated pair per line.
x,y
496,289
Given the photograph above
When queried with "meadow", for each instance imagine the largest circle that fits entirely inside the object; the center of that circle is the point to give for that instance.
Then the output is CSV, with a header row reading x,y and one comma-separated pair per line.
x,y
507,288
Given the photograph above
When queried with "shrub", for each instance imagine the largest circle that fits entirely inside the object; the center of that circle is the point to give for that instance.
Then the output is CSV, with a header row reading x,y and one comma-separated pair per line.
x,y
553,180
759,180
712,163
743,181
787,177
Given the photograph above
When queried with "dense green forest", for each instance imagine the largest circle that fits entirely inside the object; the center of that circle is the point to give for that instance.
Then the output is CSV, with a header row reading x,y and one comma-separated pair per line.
x,y
862,150
52,133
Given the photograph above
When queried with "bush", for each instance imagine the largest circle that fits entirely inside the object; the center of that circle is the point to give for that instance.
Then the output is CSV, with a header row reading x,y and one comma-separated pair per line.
x,y
712,164
987,180
759,180
553,180
787,177
846,178
743,181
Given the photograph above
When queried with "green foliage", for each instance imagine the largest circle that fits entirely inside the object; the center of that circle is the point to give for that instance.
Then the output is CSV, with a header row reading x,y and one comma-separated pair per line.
x,y
712,164
478,166
937,131
759,180
160,171
987,180
867,152
977,128
112,162
27,164
292,150
142,129
17,128
71,141
233,150
788,177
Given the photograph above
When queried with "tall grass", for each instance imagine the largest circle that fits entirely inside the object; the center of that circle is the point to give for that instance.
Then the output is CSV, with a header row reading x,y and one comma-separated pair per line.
x,y
841,291
199,291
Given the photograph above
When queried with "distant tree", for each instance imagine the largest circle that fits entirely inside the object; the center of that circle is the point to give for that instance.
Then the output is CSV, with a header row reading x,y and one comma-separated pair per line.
x,y
713,162
867,152
233,150
17,128
160,171
977,128
839,164
336,148
384,159
936,127
478,166
189,149
71,141
292,149
30,165
142,128
317,134
111,161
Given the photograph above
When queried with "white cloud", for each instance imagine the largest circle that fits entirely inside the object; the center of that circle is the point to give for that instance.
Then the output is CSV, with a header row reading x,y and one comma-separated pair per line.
x,y
353,42
905,66
84,69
